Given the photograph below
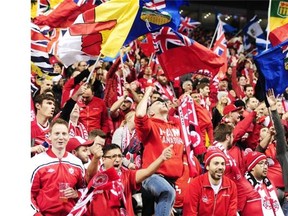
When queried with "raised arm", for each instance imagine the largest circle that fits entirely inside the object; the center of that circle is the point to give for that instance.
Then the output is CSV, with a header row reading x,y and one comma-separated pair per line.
x,y
141,108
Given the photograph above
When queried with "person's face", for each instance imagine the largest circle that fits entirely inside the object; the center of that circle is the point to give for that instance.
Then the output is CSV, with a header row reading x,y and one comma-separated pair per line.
x,y
260,170
235,117
216,168
59,136
249,91
46,109
143,62
57,68
187,87
196,97
253,103
162,79
82,66
280,108
126,105
224,99
154,97
158,107
148,71
87,96
229,70
205,91
113,158
223,85
242,81
82,153
46,84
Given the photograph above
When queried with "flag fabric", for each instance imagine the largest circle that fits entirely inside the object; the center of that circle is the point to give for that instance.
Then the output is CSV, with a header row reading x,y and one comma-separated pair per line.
x,y
220,46
273,64
278,14
146,45
187,25
279,35
102,29
228,28
39,52
154,14
261,45
251,31
179,55
191,131
66,13
104,180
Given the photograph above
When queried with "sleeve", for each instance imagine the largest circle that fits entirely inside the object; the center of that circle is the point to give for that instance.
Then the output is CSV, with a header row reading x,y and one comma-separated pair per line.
x,y
281,147
232,210
104,119
67,109
142,127
35,189
191,199
242,126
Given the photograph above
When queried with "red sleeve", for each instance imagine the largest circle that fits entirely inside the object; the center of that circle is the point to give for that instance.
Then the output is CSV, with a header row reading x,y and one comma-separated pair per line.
x,y
242,126
253,139
191,198
68,86
104,119
142,127
232,209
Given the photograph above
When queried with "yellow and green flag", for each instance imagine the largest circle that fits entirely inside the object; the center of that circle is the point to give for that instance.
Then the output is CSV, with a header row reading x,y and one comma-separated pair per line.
x,y
278,13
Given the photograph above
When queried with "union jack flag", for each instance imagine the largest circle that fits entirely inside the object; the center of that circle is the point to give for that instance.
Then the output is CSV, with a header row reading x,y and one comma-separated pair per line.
x,y
220,46
166,39
187,25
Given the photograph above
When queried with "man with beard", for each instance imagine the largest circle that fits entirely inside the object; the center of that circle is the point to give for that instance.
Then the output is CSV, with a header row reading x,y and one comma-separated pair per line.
x,y
211,193
248,201
162,86
257,168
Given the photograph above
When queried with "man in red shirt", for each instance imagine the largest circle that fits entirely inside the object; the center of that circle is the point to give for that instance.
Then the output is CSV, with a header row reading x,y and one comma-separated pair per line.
x,y
156,132
211,193
93,111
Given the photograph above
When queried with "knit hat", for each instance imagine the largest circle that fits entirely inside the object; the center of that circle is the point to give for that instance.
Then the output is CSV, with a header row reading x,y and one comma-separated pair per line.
x,y
77,141
221,94
252,158
211,153
230,108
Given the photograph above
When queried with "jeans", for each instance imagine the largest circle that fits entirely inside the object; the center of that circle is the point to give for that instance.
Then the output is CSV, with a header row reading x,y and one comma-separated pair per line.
x,y
163,192
285,206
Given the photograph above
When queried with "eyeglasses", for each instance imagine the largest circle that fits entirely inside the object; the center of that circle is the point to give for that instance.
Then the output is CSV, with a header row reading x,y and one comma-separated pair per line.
x,y
262,163
114,156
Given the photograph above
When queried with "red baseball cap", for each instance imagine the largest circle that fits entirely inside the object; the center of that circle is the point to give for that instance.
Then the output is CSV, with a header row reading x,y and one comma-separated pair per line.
x,y
231,108
77,141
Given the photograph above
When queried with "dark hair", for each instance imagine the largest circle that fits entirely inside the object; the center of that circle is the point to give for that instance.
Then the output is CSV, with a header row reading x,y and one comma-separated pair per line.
x,y
221,131
109,147
41,97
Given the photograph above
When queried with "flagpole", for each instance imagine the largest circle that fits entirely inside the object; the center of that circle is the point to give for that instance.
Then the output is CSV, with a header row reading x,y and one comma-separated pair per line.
x,y
268,23
213,38
93,68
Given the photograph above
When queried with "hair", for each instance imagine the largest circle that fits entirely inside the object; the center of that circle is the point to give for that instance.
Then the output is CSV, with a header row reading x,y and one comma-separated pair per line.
x,y
246,86
201,86
41,97
185,83
59,121
97,132
109,147
221,131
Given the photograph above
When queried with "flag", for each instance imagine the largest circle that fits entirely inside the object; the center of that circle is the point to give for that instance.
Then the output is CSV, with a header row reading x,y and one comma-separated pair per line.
x,y
65,13
103,180
39,42
102,29
279,35
154,14
251,31
191,131
179,55
278,14
187,25
220,46
228,28
146,45
261,45
273,64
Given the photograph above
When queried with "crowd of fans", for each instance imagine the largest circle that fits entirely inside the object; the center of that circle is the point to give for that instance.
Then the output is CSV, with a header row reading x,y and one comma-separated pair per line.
x,y
112,131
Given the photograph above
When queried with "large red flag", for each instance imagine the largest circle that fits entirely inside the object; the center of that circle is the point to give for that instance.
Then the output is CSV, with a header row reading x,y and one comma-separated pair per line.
x,y
179,55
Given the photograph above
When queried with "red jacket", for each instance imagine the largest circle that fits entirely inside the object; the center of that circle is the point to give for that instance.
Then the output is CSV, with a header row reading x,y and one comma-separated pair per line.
x,y
47,172
201,200
94,115
155,134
